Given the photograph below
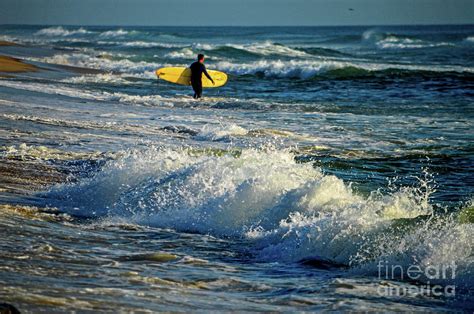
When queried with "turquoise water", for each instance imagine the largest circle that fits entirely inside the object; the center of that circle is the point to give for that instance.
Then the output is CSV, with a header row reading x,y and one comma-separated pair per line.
x,y
330,151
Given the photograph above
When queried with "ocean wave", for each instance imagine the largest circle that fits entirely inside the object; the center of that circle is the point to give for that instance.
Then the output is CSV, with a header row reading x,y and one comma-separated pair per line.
x,y
232,50
116,33
289,211
81,93
35,152
147,44
323,52
393,42
470,39
278,68
266,48
106,78
306,69
219,133
77,124
384,40
185,53
84,60
269,48
9,38
61,31
299,68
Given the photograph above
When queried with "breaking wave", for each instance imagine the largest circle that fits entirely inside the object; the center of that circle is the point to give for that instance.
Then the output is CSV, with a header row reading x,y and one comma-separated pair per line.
x,y
61,31
288,210
143,68
115,33
145,100
236,50
306,69
392,41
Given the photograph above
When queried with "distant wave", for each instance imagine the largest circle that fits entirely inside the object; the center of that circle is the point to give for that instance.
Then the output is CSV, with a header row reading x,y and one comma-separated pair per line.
x,y
115,33
146,69
61,31
470,39
298,68
269,48
306,69
185,53
266,49
148,44
236,50
392,41
323,52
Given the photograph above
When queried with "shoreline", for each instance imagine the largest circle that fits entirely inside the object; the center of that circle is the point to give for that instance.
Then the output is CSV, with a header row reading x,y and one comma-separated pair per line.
x,y
14,65
7,43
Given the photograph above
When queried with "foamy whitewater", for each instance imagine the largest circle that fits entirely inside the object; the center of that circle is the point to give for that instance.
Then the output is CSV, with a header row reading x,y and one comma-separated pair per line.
x,y
334,161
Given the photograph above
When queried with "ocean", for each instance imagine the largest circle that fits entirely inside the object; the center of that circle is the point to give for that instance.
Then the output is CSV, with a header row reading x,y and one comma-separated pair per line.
x,y
333,172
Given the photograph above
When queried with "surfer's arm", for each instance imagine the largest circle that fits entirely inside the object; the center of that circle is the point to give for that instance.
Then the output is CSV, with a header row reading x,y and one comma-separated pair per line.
x,y
207,74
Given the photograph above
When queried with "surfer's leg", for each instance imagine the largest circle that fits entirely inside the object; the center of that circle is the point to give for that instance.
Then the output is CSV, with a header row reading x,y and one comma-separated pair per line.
x,y
195,89
199,90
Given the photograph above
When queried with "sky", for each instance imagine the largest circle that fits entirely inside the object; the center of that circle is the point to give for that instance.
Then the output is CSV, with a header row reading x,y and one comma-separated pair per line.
x,y
236,12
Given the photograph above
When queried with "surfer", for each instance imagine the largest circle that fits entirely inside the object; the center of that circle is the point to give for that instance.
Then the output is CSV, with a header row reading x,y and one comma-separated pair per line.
x,y
197,69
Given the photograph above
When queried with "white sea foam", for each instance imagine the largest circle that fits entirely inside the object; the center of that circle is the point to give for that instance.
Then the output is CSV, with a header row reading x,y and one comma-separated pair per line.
x,y
80,124
115,33
61,31
305,69
87,61
81,93
278,68
260,48
106,78
185,53
393,42
217,133
290,211
8,38
470,39
148,44
268,48
389,41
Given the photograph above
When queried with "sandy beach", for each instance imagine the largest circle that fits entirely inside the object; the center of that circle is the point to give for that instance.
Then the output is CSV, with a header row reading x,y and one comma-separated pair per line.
x,y
13,65
7,43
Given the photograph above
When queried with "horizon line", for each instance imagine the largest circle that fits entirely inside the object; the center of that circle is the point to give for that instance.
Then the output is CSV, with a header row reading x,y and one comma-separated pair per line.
x,y
205,26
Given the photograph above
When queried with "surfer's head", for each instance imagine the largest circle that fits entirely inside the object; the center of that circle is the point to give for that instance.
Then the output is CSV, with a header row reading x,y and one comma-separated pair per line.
x,y
200,57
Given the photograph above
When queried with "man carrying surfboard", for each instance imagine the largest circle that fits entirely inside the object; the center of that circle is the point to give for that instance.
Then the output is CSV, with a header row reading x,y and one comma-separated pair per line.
x,y
193,76
197,69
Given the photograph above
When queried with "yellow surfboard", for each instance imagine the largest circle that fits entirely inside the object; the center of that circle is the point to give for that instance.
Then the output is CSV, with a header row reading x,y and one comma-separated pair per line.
x,y
182,76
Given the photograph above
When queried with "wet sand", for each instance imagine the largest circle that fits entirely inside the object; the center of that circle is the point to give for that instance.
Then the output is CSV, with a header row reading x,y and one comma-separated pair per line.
x,y
7,43
14,65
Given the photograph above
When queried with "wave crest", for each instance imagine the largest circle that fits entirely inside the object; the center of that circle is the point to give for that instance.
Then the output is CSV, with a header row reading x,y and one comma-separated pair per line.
x,y
307,69
288,210
393,41
61,31
115,33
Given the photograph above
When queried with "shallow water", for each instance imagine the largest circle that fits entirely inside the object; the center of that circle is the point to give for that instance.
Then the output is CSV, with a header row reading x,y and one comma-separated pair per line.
x,y
329,151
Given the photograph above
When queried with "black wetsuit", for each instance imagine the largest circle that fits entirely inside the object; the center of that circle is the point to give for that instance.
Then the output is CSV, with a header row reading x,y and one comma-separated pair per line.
x,y
197,69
